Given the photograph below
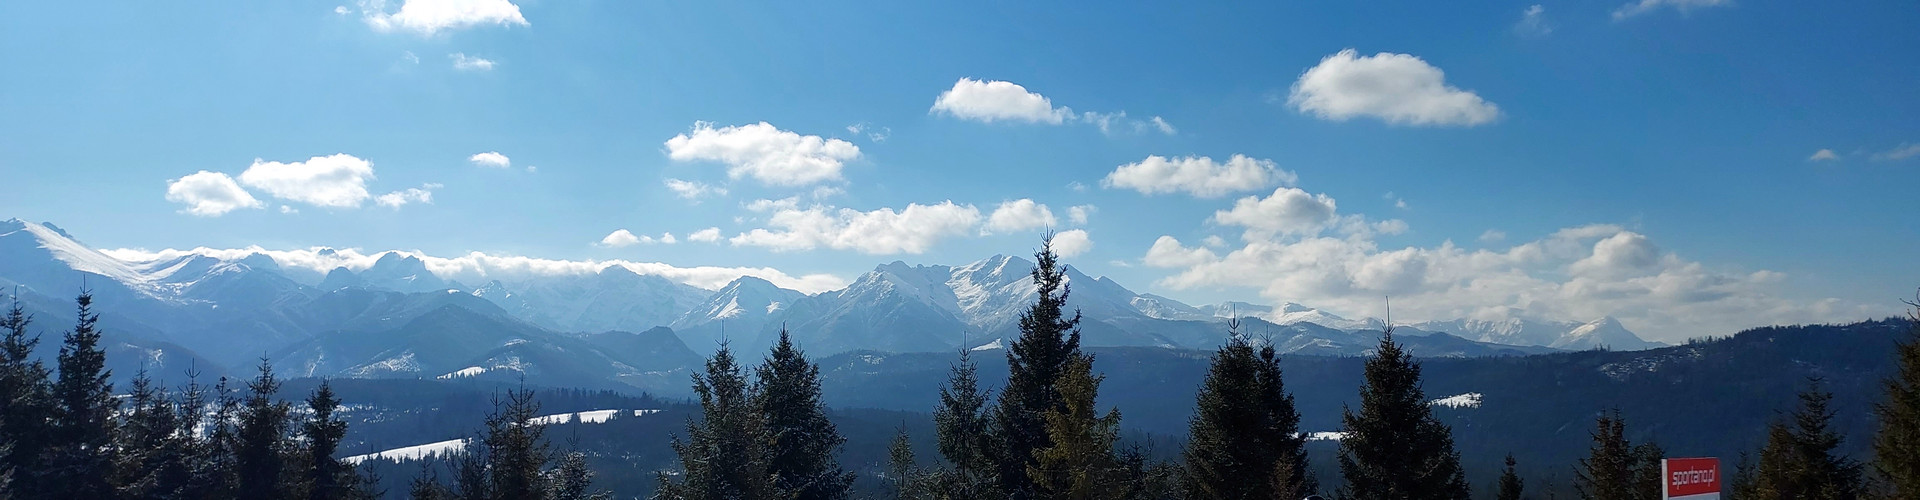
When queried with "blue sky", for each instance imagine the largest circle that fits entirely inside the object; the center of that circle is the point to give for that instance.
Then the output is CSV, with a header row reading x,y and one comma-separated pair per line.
x,y
1658,161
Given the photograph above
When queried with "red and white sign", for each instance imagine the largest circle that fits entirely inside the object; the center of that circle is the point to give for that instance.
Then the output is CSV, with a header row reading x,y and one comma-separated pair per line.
x,y
1691,478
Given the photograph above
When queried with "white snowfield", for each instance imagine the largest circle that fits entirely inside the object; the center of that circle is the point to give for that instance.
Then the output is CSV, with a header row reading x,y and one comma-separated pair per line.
x,y
1468,400
1326,436
443,448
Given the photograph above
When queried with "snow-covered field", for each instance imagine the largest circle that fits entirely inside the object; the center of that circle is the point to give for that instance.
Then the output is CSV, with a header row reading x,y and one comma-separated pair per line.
x,y
1468,400
443,448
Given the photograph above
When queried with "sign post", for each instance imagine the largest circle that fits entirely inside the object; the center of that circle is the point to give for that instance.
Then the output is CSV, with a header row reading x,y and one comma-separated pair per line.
x,y
1691,478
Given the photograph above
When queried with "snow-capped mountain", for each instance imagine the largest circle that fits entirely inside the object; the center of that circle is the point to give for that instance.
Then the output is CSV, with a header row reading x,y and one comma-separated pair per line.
x,y
381,319
1571,335
745,306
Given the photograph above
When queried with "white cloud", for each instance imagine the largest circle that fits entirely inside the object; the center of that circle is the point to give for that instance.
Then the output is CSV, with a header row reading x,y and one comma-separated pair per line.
x,y
342,10
408,55
394,200
1493,235
1286,211
1020,215
337,181
427,17
1533,22
209,194
1684,6
764,205
1198,176
1168,252
874,134
708,235
1904,151
1397,88
480,267
288,210
464,62
1077,187
1824,155
1080,213
620,238
1072,243
1214,241
993,100
491,159
767,154
883,231
1578,273
693,190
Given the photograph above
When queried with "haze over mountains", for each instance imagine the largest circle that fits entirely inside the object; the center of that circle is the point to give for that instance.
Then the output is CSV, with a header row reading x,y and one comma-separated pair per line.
x,y
618,328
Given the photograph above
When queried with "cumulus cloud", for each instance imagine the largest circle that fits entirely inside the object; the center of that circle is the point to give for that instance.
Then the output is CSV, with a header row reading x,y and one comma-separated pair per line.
x,y
994,100
1286,211
491,159
1199,176
693,190
209,194
708,235
427,17
1904,151
1824,155
337,181
765,153
1397,88
394,200
1533,22
1578,273
621,238
1168,252
1072,243
912,230
1684,6
478,267
1020,215
1080,213
464,62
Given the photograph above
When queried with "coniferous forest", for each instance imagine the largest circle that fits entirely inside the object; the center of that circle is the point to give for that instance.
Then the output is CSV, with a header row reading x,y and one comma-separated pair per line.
x,y
764,431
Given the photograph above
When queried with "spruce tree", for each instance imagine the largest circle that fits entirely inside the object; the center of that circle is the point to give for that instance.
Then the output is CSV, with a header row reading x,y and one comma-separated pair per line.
x,y
517,448
1896,446
1743,484
962,424
426,484
209,471
1616,469
1079,463
26,403
1799,463
1394,447
1049,340
1244,438
801,441
573,479
904,475
260,451
151,451
1510,486
326,478
79,459
470,478
724,455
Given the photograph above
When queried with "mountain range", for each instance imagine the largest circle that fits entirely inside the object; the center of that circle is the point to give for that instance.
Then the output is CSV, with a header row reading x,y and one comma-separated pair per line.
x,y
618,328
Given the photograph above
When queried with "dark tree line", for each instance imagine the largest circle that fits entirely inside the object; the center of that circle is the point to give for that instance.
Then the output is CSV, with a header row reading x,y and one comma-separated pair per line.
x,y
65,434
